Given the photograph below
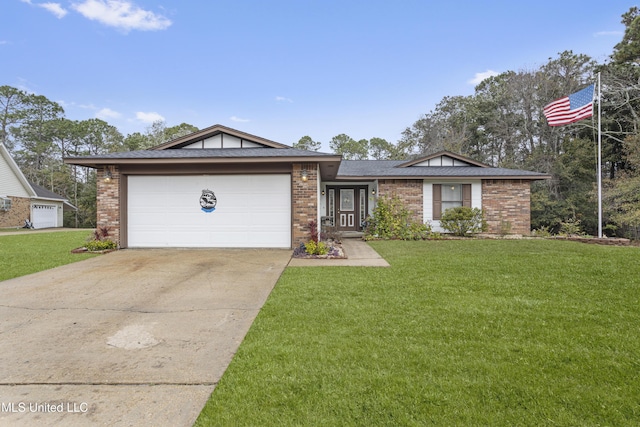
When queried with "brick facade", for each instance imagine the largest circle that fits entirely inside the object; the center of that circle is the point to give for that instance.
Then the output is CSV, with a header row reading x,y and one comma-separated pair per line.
x,y
304,200
14,217
408,190
507,202
108,202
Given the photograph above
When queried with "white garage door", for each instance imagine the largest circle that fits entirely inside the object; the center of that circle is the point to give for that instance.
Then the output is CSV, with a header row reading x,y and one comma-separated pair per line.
x,y
44,216
250,211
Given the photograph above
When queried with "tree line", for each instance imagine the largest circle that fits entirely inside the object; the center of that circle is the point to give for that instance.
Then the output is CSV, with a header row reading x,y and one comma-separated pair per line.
x,y
501,124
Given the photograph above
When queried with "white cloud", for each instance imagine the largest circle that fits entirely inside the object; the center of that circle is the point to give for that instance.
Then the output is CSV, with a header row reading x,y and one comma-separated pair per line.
x,y
283,99
238,119
108,113
54,8
479,77
609,33
121,14
149,117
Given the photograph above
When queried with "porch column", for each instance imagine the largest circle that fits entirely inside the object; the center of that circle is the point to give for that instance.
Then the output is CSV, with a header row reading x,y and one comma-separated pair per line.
x,y
304,200
108,201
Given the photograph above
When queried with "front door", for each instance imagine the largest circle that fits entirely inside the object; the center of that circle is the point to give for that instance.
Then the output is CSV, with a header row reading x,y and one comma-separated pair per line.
x,y
347,207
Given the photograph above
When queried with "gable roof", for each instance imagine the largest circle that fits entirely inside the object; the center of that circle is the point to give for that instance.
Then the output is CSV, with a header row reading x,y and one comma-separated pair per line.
x,y
455,158
13,178
217,130
32,190
188,150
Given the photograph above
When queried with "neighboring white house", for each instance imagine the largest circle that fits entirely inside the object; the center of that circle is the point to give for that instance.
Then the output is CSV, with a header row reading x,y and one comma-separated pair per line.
x,y
22,200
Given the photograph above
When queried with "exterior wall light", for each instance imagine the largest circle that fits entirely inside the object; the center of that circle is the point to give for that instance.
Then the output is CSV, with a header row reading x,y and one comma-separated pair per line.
x,y
107,175
305,177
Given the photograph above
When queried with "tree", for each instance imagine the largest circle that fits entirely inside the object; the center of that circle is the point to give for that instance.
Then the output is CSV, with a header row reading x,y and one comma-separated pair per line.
x,y
99,137
156,134
135,141
628,50
622,199
306,143
34,137
175,132
381,149
13,108
349,148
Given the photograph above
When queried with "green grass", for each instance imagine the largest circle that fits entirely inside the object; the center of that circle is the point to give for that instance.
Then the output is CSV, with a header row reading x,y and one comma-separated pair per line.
x,y
455,333
32,252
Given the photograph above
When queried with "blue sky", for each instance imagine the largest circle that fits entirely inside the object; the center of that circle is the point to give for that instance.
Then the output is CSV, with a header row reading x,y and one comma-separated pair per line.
x,y
283,69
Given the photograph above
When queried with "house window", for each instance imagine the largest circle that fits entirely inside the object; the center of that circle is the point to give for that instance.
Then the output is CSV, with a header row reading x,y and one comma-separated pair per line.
x,y
363,206
446,196
451,196
332,205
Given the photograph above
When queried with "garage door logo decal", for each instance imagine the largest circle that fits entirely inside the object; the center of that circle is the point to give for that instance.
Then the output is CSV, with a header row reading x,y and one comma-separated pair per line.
x,y
208,201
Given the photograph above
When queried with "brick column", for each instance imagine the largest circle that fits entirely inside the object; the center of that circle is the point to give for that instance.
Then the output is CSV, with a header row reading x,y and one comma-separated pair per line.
x,y
108,202
410,191
304,200
507,201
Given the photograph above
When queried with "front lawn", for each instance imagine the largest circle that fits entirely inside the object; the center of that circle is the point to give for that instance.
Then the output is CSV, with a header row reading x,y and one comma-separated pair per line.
x,y
28,253
470,332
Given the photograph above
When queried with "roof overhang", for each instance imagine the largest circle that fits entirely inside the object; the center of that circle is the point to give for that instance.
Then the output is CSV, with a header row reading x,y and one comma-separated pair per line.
x,y
445,177
328,164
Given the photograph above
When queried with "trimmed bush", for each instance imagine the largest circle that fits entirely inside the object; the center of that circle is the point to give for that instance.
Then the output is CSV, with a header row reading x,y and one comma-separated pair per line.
x,y
462,221
100,245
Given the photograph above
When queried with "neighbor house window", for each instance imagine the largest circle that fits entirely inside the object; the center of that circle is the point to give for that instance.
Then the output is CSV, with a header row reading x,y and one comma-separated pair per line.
x,y
446,196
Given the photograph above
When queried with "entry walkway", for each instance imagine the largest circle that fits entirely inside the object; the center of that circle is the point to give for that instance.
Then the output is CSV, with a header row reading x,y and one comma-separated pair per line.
x,y
358,252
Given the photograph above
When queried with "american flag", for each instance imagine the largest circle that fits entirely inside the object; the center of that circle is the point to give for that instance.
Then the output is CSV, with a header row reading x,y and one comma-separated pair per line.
x,y
570,109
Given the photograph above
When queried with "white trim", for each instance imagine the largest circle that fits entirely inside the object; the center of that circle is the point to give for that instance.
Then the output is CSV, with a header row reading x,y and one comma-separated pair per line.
x,y
427,198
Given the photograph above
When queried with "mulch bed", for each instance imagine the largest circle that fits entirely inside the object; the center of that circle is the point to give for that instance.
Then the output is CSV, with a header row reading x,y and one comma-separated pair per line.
x,y
335,252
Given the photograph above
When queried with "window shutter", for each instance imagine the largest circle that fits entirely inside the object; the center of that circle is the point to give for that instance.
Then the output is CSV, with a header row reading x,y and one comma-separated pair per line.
x,y
437,201
466,195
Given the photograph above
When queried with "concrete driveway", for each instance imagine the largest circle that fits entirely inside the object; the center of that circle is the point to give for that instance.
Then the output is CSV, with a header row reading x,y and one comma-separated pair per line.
x,y
134,337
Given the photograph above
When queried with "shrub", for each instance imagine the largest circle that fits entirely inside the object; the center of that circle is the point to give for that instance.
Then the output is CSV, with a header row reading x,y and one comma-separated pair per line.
x,y
100,240
313,230
316,248
505,227
462,220
100,245
571,227
542,232
101,233
392,220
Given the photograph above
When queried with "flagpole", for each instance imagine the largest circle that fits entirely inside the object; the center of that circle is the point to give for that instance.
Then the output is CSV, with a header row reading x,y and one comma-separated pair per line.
x,y
599,161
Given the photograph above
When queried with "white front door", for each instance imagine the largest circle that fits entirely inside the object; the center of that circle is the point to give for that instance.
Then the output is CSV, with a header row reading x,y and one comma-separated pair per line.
x,y
209,211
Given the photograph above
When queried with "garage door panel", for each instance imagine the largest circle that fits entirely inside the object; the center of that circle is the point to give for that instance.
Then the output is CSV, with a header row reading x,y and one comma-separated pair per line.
x,y
251,211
